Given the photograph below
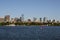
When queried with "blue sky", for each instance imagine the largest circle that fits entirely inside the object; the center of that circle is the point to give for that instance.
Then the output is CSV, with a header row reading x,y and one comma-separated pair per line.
x,y
31,8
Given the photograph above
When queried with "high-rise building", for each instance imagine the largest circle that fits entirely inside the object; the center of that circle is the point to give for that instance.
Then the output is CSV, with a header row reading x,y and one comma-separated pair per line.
x,y
13,20
44,19
57,21
48,21
29,20
22,17
40,20
16,19
53,21
34,19
7,18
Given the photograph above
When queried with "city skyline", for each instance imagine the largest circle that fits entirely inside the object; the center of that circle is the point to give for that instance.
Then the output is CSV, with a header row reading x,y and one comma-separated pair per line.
x,y
31,8
22,18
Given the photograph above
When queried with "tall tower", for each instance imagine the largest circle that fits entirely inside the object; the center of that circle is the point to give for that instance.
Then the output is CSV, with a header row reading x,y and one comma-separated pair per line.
x,y
34,19
40,20
22,17
44,19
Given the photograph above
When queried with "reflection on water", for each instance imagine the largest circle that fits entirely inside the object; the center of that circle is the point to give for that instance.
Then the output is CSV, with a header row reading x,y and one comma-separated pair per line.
x,y
29,33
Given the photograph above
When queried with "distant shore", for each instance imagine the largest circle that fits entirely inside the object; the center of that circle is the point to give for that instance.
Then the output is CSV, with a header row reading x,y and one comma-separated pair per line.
x,y
29,24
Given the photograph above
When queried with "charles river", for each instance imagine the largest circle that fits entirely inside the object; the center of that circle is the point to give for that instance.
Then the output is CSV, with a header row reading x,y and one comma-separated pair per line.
x,y
29,32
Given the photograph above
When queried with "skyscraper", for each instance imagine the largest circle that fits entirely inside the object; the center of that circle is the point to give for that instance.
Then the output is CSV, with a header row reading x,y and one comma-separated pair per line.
x,y
7,18
22,17
40,20
44,19
53,21
34,19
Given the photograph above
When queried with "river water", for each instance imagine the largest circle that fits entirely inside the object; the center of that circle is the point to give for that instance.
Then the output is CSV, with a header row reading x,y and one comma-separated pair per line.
x,y
29,32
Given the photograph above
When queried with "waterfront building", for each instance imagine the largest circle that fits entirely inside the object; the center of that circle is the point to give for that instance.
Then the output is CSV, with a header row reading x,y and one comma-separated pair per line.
x,y
22,17
7,18
1,20
17,19
49,21
40,20
13,20
34,19
44,19
57,22
29,20
53,21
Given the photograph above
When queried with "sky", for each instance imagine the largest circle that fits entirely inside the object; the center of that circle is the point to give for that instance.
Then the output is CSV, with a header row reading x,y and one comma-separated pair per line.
x,y
31,8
